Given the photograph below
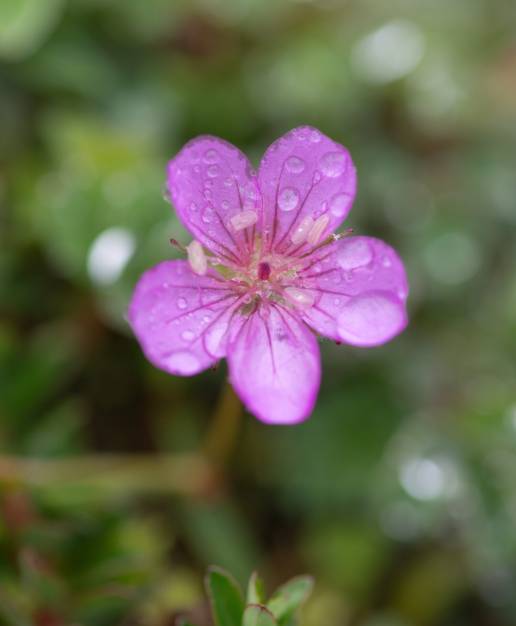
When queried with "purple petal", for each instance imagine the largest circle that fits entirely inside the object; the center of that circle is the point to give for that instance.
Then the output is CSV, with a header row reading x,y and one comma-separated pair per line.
x,y
304,175
213,189
361,289
181,318
274,365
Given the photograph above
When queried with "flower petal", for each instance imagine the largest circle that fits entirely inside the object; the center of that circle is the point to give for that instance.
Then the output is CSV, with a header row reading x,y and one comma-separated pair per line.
x,y
211,184
274,365
361,289
305,177
181,318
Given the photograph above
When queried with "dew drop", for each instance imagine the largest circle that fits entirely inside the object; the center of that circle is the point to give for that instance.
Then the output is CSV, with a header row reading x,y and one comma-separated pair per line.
x,y
314,136
288,199
207,215
197,169
370,319
211,156
213,171
187,335
353,253
386,262
333,164
339,204
214,339
182,362
228,182
295,165
193,207
182,303
336,301
300,297
207,194
224,205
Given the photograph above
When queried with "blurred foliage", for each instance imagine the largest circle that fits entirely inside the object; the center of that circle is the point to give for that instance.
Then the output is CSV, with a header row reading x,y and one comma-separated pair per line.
x,y
398,494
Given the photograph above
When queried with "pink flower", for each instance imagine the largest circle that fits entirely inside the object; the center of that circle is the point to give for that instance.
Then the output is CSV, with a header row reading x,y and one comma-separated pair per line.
x,y
265,273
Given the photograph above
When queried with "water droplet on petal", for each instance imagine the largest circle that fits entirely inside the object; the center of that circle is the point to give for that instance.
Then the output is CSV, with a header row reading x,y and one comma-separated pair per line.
x,y
213,171
228,182
339,204
333,164
353,253
193,207
288,199
386,262
188,335
295,165
370,319
207,215
197,169
207,194
224,205
300,297
214,339
182,303
182,363
314,136
211,156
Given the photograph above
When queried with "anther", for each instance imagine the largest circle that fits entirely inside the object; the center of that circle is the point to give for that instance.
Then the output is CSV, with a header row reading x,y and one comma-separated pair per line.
x,y
244,219
317,229
197,258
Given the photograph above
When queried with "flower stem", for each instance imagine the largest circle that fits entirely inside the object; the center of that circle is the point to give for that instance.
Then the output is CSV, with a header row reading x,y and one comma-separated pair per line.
x,y
221,437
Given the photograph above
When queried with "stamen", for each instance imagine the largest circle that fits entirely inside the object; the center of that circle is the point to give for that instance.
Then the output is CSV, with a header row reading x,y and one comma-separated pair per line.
x,y
300,297
197,258
345,233
317,229
244,219
301,231
176,244
264,271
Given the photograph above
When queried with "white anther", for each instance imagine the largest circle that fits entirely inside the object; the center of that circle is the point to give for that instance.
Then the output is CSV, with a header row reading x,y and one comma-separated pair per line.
x,y
243,219
302,229
197,258
300,297
317,229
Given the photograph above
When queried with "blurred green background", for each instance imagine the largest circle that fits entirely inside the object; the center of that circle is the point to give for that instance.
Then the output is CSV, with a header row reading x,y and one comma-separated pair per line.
x,y
120,484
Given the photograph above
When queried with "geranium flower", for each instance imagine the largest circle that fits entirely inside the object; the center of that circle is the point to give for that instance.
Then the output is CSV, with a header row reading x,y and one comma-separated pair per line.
x,y
265,273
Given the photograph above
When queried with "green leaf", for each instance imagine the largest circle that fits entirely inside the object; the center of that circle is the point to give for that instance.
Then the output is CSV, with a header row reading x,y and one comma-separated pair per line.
x,y
24,25
289,597
225,598
258,615
255,590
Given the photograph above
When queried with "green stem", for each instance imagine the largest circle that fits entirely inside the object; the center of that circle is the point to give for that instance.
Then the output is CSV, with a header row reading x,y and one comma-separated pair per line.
x,y
222,435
